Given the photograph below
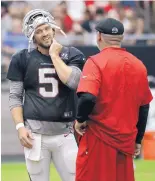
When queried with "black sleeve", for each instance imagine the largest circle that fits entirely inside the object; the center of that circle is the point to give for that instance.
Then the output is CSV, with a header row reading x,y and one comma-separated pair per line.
x,y
142,120
86,103
76,58
16,69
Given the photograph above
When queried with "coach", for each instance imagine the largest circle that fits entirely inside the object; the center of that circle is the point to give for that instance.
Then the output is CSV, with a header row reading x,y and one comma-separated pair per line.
x,y
113,106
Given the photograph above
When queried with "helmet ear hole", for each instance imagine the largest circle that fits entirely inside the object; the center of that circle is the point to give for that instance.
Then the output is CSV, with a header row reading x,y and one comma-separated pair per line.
x,y
53,31
34,40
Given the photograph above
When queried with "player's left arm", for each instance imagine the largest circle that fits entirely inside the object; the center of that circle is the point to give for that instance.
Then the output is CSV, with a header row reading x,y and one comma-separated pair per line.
x,y
68,74
146,98
142,121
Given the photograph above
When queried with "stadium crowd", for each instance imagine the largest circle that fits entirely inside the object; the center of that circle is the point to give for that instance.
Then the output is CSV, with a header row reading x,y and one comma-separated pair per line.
x,y
77,19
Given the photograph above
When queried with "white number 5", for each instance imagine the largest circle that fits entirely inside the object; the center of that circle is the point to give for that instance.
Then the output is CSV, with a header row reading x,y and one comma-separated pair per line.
x,y
51,80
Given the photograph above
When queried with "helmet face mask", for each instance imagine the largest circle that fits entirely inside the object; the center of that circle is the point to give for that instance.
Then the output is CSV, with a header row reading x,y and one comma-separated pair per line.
x,y
34,18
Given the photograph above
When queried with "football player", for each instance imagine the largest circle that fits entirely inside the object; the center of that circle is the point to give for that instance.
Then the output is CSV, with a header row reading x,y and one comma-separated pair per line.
x,y
43,82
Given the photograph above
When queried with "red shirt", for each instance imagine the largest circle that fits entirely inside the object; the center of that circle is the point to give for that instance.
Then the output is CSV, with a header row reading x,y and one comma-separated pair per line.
x,y
88,3
68,23
119,81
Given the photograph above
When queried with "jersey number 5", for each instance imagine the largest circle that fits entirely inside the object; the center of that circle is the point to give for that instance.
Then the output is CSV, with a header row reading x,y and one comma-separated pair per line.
x,y
49,80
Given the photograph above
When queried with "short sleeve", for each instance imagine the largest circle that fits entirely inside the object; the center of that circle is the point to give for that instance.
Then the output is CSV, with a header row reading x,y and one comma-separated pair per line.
x,y
147,95
16,68
76,58
90,80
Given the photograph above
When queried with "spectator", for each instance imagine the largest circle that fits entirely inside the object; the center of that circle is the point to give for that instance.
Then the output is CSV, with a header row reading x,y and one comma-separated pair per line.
x,y
88,23
113,10
67,20
79,18
99,14
128,18
17,9
5,17
13,41
128,4
75,10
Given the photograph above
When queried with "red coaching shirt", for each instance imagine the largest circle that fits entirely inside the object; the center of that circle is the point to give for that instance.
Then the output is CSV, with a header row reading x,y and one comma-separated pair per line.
x,y
119,81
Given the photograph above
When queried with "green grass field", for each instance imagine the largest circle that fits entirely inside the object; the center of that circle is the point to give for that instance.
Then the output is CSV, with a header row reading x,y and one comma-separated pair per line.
x,y
145,171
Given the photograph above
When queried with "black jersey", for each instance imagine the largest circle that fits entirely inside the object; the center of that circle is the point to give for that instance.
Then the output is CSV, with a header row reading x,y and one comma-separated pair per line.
x,y
46,97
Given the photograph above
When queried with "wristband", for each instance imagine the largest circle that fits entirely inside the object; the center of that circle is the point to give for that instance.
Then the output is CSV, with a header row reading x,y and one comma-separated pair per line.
x,y
19,125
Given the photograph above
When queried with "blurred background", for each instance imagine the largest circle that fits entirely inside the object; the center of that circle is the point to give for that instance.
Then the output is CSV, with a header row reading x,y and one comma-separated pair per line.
x,y
78,19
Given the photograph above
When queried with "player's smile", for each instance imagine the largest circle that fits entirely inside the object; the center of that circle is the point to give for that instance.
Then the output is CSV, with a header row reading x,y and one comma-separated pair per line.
x,y
46,40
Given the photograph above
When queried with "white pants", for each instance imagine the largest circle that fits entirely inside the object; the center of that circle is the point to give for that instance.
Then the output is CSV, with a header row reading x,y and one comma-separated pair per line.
x,y
61,150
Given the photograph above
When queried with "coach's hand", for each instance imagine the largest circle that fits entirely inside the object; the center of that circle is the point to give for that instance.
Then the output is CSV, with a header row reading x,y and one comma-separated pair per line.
x,y
137,150
80,127
55,48
25,137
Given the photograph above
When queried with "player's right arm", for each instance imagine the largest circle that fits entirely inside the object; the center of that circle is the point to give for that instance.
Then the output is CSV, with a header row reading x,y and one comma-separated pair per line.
x,y
15,75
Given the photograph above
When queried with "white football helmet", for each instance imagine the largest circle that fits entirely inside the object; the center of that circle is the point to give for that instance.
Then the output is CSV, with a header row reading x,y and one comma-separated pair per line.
x,y
35,18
